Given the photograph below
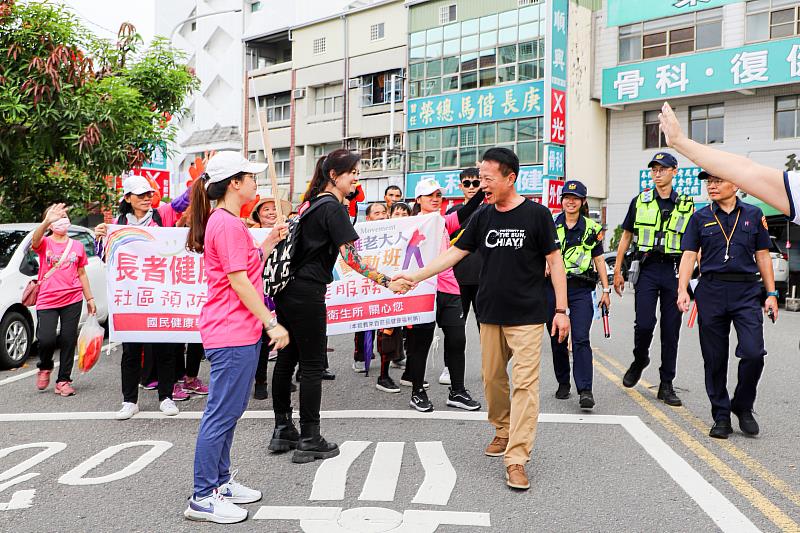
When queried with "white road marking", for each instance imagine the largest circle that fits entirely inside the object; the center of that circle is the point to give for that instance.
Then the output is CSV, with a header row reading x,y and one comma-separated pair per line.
x,y
331,477
76,476
51,448
297,513
714,503
22,375
384,472
440,476
22,499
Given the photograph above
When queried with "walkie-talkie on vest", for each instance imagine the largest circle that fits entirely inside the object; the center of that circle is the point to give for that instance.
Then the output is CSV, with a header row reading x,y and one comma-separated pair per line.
x,y
606,326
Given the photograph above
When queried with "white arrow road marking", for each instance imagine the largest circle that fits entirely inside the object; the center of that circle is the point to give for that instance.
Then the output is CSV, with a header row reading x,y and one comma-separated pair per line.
x,y
370,519
331,477
440,476
384,472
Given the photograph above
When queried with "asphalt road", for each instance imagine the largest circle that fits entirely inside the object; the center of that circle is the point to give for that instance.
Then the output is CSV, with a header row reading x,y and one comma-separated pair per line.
x,y
633,464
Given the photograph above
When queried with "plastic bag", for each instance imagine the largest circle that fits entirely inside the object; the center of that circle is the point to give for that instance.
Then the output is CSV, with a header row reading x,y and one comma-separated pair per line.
x,y
90,344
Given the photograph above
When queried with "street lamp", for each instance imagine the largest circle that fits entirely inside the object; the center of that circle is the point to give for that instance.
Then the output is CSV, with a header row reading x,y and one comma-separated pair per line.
x,y
204,15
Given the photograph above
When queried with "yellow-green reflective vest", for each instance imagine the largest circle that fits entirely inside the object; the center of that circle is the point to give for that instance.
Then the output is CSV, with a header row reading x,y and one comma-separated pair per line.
x,y
578,257
650,233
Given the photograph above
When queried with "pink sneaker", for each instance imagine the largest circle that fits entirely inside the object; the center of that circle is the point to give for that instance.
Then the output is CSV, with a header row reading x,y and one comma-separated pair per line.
x,y
43,379
64,388
177,394
194,386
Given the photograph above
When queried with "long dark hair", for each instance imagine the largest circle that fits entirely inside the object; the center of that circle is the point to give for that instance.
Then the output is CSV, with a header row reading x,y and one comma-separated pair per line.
x,y
201,208
340,161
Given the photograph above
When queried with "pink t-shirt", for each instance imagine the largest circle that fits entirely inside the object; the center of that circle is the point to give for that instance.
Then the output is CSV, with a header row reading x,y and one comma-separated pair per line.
x,y
447,279
63,287
229,247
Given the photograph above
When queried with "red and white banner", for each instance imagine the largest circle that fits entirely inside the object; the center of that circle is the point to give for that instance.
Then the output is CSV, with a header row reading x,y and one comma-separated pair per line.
x,y
551,195
393,245
558,117
156,288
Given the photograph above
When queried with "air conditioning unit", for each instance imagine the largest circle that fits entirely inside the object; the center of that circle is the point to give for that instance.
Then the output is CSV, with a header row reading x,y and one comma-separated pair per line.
x,y
353,83
299,93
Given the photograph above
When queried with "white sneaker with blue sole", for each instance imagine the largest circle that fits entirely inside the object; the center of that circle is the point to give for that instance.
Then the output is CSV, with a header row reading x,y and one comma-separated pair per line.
x,y
235,492
214,508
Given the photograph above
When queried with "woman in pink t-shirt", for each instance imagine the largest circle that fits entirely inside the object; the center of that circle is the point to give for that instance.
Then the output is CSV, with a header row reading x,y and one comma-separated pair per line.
x,y
63,284
230,323
449,315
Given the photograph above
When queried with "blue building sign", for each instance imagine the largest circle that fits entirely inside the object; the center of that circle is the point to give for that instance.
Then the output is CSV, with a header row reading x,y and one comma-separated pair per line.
x,y
733,69
686,182
529,181
478,105
621,12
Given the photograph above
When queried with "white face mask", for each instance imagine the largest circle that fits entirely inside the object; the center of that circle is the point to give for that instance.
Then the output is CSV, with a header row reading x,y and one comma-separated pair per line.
x,y
60,226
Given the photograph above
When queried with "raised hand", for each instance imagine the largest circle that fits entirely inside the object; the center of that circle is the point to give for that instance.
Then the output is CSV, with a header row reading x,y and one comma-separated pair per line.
x,y
55,212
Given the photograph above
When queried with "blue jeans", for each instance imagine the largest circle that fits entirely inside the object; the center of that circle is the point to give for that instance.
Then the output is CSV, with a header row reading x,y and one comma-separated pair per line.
x,y
232,372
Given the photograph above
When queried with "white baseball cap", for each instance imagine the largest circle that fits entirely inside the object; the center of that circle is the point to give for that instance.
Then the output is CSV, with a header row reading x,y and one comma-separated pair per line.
x,y
136,185
226,164
427,186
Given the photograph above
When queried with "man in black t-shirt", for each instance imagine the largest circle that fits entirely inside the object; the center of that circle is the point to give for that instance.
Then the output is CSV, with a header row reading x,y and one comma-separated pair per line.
x,y
515,238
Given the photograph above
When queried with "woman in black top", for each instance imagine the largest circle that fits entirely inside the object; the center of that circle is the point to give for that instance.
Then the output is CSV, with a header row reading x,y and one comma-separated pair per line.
x,y
326,233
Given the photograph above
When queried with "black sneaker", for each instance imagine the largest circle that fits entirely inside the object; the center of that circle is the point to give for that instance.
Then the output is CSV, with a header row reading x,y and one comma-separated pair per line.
x,y
420,402
563,391
462,400
634,373
586,399
387,384
721,429
327,375
260,392
747,422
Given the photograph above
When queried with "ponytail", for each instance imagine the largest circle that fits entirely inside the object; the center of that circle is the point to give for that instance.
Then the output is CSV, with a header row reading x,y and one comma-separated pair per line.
x,y
200,208
339,161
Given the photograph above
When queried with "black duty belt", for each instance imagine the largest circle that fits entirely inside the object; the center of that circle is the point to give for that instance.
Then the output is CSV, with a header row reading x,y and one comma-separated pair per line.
x,y
731,276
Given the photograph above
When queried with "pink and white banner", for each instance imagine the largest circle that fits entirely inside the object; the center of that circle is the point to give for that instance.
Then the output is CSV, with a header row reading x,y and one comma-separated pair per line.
x,y
156,288
390,246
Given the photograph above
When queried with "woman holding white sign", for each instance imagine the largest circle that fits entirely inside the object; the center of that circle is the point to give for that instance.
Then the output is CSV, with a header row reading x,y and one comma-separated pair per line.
x,y
230,325
326,232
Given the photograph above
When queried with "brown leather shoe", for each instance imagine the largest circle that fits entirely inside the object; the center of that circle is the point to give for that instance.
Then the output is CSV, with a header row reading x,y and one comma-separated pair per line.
x,y
497,448
516,477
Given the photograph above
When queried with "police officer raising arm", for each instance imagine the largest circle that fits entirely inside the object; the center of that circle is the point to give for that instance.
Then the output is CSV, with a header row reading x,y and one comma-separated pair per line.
x,y
733,239
779,189
655,221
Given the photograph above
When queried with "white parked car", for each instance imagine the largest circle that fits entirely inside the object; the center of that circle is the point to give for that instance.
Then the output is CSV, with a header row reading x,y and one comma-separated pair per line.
x,y
18,265
780,265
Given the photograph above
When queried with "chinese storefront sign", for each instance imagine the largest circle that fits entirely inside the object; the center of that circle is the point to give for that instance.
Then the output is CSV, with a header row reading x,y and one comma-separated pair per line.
x,y
686,182
551,196
160,177
733,69
529,181
558,117
554,160
621,12
479,105
357,304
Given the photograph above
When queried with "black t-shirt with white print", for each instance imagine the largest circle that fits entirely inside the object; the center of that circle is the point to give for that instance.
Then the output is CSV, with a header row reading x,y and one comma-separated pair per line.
x,y
513,245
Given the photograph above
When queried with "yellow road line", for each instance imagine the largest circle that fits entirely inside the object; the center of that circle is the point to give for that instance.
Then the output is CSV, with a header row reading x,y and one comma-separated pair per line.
x,y
743,457
756,498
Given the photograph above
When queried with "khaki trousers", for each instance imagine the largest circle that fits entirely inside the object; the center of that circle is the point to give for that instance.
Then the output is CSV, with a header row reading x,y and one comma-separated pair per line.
x,y
514,416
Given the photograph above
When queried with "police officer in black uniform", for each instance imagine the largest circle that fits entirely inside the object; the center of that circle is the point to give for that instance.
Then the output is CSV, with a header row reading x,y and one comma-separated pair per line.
x,y
732,239
655,222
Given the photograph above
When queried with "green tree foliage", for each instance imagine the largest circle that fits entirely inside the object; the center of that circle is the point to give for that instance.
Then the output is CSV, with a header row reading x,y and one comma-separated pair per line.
x,y
75,108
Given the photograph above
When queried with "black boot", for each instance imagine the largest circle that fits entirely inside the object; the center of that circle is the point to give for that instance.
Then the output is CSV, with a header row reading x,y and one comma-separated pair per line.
x,y
667,394
312,446
634,373
285,437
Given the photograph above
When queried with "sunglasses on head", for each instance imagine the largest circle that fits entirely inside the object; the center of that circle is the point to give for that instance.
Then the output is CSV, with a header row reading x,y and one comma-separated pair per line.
x,y
471,183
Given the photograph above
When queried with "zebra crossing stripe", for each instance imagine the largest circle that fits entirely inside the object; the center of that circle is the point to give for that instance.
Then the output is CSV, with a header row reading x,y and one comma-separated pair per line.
x,y
384,472
331,477
440,476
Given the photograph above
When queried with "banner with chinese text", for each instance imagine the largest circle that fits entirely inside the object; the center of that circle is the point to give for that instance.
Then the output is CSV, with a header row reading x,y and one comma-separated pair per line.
x,y
529,181
393,245
622,12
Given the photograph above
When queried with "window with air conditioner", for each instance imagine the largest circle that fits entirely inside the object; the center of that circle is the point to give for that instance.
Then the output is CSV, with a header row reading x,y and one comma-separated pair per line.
x,y
447,14
319,46
376,32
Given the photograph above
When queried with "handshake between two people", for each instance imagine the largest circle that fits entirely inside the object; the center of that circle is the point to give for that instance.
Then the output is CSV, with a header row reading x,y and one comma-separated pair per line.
x,y
402,282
